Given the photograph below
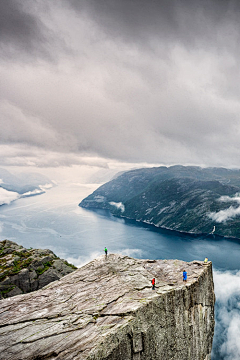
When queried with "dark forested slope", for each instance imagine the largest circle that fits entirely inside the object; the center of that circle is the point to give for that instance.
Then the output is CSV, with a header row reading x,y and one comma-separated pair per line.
x,y
189,199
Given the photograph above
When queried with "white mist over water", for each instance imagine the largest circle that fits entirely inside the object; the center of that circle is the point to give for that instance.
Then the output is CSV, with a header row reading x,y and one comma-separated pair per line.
x,y
6,197
227,329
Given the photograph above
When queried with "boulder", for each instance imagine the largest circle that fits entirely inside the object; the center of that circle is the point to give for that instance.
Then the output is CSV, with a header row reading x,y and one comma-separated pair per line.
x,y
25,270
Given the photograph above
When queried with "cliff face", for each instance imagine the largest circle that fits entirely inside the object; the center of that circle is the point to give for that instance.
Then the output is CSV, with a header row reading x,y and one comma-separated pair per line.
x,y
188,199
25,270
108,310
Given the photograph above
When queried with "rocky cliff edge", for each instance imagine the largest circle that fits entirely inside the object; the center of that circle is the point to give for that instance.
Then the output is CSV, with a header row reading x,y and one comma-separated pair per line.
x,y
108,310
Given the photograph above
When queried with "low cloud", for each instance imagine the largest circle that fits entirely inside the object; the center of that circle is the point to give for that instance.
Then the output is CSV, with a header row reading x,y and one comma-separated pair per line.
x,y
131,252
83,260
33,156
224,215
226,198
227,214
226,344
118,205
34,192
6,197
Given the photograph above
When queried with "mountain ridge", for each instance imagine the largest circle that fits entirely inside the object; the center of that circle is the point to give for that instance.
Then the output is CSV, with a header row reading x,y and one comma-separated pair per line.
x,y
182,198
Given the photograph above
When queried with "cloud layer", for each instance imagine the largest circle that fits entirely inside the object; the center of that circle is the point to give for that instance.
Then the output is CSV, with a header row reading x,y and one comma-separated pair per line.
x,y
229,213
138,81
226,344
6,197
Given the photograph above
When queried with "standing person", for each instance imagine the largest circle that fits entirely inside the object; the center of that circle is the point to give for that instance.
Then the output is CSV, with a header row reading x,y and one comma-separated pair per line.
x,y
184,275
153,284
105,251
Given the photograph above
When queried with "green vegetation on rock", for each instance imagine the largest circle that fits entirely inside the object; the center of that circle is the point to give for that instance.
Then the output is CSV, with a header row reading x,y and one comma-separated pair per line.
x,y
25,270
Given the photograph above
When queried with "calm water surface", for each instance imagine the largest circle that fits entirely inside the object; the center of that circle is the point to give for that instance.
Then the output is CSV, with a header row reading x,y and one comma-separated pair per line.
x,y
55,221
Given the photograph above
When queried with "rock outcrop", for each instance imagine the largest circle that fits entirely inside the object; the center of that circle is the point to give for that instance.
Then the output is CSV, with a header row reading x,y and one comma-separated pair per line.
x,y
107,310
25,270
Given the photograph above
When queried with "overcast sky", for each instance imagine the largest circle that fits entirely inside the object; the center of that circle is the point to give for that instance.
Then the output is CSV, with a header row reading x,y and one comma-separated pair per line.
x,y
133,81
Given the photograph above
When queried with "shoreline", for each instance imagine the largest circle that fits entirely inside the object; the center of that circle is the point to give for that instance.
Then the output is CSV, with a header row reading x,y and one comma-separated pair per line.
x,y
162,228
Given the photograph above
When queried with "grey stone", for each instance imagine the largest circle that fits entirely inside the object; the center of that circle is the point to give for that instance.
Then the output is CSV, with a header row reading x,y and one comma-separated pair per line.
x,y
32,275
46,259
14,292
23,251
47,277
36,264
16,258
34,284
6,281
42,252
7,251
60,266
22,280
107,310
37,269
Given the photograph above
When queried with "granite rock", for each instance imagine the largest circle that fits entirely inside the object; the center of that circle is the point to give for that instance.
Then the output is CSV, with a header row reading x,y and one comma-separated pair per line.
x,y
107,310
25,270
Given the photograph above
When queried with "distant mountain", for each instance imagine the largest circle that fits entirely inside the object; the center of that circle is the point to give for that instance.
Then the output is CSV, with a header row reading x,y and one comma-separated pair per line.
x,y
183,198
13,187
23,182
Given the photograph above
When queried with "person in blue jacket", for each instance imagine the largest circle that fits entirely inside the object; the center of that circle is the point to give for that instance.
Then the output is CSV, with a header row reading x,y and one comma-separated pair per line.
x,y
184,275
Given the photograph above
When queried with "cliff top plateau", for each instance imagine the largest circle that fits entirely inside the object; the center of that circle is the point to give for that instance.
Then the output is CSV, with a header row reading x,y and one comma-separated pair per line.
x,y
108,310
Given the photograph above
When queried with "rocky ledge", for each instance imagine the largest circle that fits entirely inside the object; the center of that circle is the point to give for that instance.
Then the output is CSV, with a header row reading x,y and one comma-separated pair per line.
x,y
25,270
108,310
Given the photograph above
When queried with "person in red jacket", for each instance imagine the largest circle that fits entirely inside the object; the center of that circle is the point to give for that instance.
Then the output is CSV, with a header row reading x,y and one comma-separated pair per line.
x,y
153,284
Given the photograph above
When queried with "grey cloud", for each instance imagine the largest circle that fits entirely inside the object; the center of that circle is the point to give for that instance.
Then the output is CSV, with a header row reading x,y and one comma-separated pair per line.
x,y
20,127
27,155
191,22
23,34
145,81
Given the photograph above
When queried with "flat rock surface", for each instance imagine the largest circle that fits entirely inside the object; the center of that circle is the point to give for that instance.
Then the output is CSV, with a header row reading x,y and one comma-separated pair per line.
x,y
72,317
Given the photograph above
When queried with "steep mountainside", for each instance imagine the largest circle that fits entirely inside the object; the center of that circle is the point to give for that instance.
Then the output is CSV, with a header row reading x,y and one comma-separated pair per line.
x,y
107,310
189,199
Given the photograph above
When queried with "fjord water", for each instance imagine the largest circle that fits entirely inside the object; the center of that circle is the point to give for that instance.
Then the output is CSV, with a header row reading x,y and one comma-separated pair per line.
x,y
55,221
